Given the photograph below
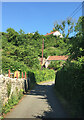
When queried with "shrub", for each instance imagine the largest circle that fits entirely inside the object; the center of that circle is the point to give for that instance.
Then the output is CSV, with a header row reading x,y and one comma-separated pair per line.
x,y
69,82
55,64
41,75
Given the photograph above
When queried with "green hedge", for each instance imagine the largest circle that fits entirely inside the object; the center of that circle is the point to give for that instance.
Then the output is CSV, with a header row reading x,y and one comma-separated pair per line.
x,y
41,75
56,65
69,82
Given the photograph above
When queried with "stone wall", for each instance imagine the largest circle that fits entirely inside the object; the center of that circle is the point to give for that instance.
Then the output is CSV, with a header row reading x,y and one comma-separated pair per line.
x,y
15,83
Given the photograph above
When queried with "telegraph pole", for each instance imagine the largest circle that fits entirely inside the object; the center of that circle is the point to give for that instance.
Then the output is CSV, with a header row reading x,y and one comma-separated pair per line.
x,y
42,53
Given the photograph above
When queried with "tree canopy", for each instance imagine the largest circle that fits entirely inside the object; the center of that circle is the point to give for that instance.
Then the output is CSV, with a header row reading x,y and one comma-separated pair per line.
x,y
27,48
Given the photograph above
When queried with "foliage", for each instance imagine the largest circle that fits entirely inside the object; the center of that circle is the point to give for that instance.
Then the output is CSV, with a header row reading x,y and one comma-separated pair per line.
x,y
13,100
8,88
55,64
76,43
12,35
71,77
70,80
6,108
20,50
20,47
79,25
20,94
26,48
63,26
9,63
41,75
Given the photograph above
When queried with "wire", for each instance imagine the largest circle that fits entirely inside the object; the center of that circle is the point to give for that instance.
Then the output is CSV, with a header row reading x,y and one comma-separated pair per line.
x,y
77,10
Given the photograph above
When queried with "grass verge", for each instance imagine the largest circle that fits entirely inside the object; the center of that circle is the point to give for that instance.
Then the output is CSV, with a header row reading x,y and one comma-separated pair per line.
x,y
45,81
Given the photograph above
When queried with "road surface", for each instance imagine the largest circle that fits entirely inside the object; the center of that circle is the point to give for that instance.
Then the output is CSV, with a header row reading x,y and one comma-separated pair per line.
x,y
40,103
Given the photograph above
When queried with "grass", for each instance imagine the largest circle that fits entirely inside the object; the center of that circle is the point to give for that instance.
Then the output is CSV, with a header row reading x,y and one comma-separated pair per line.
x,y
45,81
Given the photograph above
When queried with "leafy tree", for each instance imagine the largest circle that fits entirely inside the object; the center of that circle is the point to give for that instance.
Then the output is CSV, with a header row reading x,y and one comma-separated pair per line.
x,y
77,48
67,25
26,48
12,35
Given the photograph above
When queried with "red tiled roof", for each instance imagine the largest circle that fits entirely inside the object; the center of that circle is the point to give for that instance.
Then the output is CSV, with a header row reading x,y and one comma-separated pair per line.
x,y
57,58
49,33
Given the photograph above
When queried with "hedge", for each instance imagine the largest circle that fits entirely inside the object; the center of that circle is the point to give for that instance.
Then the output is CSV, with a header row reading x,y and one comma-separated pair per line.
x,y
69,83
41,75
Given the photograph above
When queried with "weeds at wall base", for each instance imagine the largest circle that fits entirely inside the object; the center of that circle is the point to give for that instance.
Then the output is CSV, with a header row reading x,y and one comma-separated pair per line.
x,y
11,102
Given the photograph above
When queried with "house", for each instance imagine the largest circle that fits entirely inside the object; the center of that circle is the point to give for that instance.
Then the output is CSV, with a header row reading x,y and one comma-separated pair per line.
x,y
55,33
54,58
44,60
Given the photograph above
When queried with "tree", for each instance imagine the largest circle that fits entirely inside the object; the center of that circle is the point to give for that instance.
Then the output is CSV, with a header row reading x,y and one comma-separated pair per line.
x,y
67,25
77,43
12,35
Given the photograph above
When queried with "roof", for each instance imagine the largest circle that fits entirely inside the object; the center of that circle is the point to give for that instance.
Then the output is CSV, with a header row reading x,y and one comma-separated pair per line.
x,y
55,33
49,33
57,58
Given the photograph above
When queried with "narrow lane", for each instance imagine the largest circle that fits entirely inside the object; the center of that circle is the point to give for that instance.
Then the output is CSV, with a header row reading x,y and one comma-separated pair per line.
x,y
40,103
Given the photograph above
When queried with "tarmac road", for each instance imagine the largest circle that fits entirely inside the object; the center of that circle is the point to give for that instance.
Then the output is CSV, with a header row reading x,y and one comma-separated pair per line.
x,y
40,103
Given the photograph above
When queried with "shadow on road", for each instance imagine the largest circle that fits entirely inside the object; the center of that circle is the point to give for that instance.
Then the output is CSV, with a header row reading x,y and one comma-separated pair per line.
x,y
47,93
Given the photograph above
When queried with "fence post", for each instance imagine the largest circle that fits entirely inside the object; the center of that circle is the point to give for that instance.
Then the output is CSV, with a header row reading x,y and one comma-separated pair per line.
x,y
9,73
22,74
25,75
17,75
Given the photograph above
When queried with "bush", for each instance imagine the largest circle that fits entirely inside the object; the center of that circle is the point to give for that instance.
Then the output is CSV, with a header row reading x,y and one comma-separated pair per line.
x,y
55,64
41,75
69,82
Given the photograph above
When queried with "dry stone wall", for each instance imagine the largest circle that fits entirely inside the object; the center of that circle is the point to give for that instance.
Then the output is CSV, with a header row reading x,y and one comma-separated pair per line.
x,y
14,82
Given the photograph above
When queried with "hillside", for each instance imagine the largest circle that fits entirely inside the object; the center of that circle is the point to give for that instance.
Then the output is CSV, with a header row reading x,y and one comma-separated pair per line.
x,y
20,49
